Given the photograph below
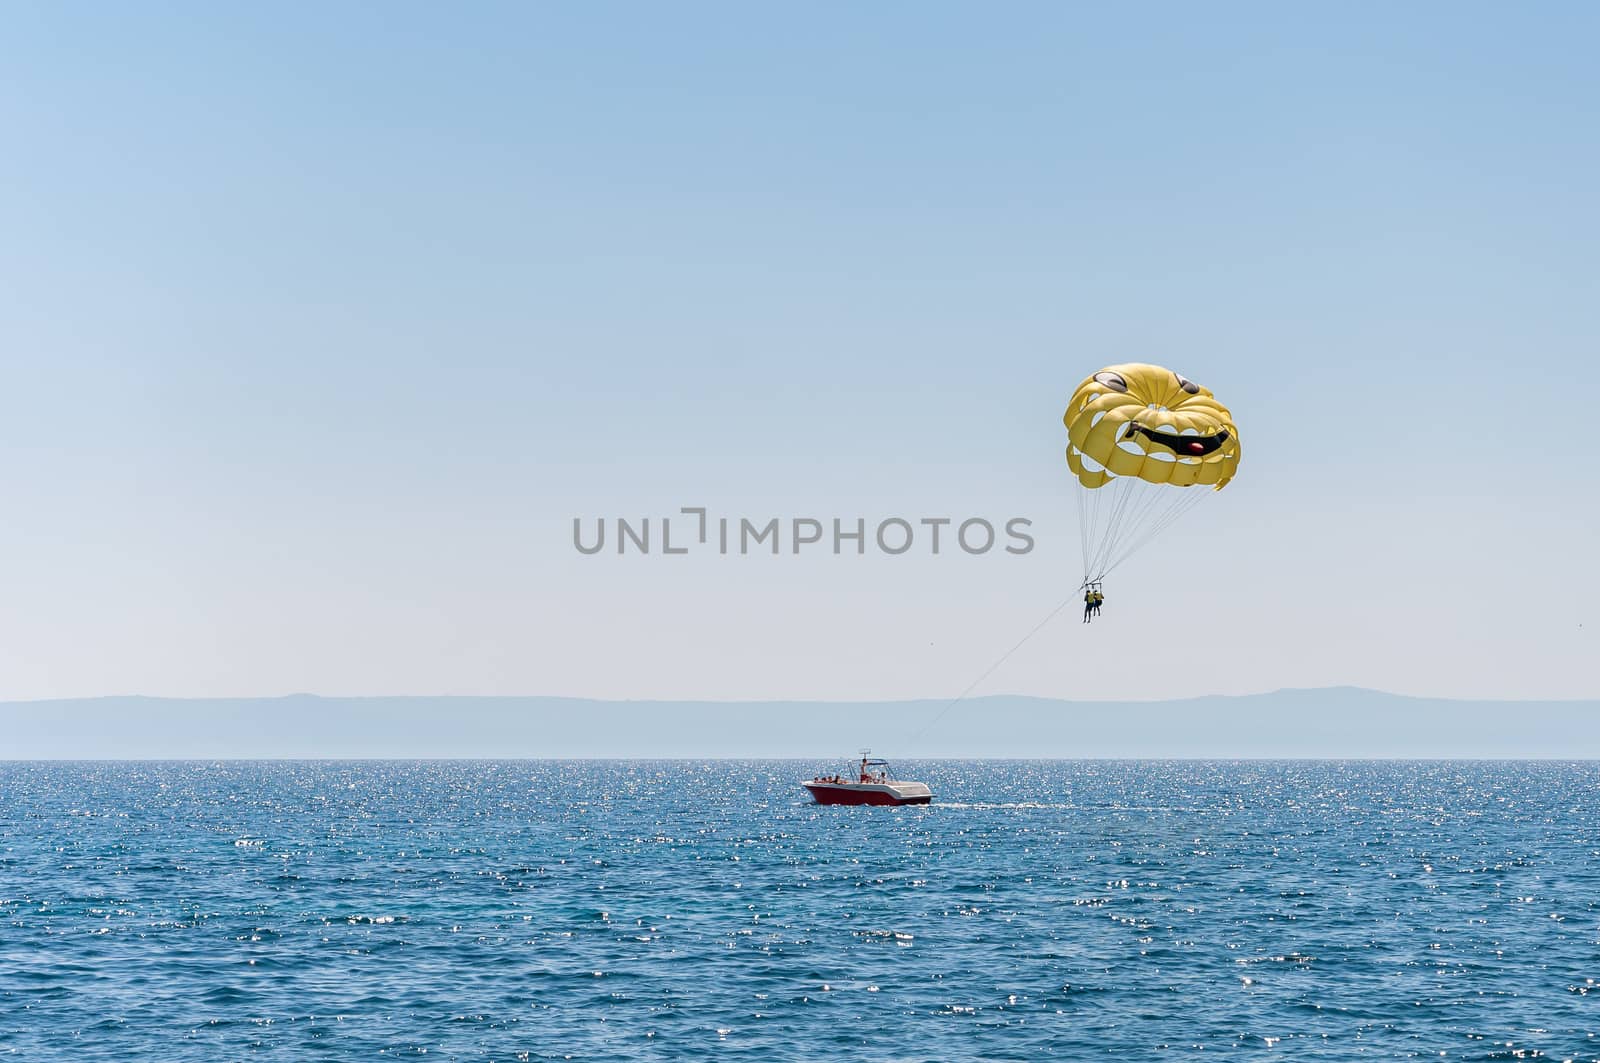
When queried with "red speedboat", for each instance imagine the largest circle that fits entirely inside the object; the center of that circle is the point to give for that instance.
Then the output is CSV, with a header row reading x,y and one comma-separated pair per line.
x,y
873,784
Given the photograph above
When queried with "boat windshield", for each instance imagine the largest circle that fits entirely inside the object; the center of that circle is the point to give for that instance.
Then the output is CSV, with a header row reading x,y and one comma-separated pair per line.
x,y
875,770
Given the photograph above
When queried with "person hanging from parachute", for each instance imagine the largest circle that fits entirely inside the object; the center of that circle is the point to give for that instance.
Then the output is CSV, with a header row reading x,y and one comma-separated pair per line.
x,y
1092,600
1139,437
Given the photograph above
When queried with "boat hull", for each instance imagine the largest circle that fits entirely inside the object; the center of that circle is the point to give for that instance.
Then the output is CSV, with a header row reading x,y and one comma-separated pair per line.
x,y
826,793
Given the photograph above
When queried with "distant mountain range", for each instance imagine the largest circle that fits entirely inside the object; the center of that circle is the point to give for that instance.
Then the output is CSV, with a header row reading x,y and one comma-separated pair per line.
x,y
1333,722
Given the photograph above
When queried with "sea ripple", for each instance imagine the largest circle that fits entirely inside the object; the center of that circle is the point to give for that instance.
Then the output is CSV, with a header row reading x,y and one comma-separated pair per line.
x,y
536,910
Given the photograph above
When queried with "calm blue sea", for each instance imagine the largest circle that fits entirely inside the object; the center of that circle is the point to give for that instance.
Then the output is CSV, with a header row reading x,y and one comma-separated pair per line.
x,y
665,910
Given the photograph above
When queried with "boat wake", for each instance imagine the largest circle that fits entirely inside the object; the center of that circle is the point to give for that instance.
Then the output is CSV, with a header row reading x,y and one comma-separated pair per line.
x,y
983,806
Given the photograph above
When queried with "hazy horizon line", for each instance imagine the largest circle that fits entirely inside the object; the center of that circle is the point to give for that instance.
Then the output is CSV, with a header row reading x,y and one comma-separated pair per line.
x,y
720,759
782,700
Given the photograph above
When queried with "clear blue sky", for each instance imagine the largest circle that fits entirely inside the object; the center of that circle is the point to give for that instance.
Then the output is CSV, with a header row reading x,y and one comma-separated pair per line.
x,y
319,324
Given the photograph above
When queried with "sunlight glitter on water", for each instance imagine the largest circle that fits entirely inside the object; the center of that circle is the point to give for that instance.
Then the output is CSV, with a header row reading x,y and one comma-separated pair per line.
x,y
636,910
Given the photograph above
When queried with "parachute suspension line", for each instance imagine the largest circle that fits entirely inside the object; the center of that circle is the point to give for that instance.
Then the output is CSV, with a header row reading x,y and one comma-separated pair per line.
x,y
1129,524
1094,513
1121,491
1174,511
1101,503
1137,499
1159,504
1092,509
1083,527
1132,499
1104,506
1142,498
987,672
1131,515
1110,509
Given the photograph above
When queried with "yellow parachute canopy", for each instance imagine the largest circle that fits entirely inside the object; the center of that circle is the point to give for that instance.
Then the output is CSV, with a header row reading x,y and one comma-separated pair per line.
x,y
1135,432
1151,423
